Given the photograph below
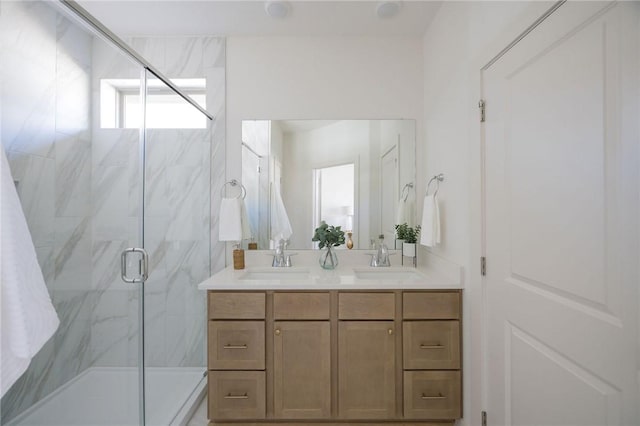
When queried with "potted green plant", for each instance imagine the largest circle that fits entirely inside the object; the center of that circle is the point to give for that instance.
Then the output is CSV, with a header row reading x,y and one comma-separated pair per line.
x,y
401,235
328,237
411,238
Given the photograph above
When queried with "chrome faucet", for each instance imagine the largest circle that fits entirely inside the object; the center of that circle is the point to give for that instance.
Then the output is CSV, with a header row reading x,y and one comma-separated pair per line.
x,y
280,259
381,257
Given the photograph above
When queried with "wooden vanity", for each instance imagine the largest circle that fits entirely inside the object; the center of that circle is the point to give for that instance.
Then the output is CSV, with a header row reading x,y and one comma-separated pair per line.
x,y
367,356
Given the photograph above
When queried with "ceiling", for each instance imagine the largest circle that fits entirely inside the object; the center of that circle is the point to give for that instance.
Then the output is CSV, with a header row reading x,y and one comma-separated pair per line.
x,y
248,18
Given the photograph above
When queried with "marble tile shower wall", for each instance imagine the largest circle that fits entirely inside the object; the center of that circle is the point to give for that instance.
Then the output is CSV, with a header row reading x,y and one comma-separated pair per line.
x,y
79,189
46,135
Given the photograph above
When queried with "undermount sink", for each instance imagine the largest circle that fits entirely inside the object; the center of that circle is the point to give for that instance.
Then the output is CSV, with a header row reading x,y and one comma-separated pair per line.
x,y
257,274
387,274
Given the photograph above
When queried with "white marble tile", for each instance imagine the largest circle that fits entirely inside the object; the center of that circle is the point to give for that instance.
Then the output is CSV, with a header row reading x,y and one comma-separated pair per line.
x,y
185,147
28,121
73,41
151,49
73,96
175,343
215,90
110,329
213,52
110,203
105,265
73,175
72,250
155,178
188,200
73,339
36,189
114,147
183,57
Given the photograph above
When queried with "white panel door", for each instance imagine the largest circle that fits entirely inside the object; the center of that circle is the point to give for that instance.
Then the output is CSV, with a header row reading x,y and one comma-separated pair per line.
x,y
561,224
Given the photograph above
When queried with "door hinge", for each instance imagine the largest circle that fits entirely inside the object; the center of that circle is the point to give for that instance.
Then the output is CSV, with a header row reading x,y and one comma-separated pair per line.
x,y
483,266
484,418
481,105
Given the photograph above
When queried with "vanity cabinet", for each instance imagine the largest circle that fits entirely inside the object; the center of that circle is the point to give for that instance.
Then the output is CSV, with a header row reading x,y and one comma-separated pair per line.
x,y
334,356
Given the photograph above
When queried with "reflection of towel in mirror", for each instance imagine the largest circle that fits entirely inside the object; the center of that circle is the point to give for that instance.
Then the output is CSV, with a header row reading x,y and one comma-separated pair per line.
x,y
246,226
28,317
430,232
230,226
280,224
405,212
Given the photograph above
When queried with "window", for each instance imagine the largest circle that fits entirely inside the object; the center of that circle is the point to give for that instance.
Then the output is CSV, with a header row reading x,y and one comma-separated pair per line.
x,y
120,104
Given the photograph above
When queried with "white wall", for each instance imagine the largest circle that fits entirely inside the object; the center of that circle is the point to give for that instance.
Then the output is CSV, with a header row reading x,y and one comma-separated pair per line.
x,y
462,38
320,78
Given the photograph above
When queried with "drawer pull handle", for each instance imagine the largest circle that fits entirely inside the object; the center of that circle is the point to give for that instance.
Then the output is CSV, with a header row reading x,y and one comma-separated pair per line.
x,y
229,396
439,396
277,331
438,346
235,346
390,331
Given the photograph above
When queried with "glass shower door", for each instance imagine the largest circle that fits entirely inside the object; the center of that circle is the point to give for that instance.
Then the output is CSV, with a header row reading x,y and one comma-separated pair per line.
x,y
177,238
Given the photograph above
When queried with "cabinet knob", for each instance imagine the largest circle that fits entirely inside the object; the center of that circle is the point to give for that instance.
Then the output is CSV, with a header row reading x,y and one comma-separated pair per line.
x,y
277,331
390,331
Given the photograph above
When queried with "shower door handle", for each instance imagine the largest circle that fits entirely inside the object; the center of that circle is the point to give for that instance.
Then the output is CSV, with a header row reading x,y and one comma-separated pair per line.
x,y
143,264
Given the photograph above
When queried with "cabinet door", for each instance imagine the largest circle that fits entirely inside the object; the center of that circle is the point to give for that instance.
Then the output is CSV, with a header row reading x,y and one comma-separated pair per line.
x,y
302,370
366,369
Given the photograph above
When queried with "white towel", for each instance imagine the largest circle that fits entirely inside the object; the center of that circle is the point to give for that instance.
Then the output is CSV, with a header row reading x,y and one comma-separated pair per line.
x,y
246,225
405,212
230,225
430,227
280,224
28,317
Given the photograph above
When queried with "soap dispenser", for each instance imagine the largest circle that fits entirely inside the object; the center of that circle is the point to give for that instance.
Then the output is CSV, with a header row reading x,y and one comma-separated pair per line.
x,y
383,252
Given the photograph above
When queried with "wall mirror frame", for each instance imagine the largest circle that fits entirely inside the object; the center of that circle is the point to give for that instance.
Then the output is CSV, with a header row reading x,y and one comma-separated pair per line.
x,y
357,174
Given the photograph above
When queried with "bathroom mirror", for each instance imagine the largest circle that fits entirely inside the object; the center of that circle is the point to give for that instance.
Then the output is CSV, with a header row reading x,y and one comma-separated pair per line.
x,y
357,174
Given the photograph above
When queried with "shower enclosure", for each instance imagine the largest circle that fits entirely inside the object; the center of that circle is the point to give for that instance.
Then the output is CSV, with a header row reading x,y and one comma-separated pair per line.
x,y
108,155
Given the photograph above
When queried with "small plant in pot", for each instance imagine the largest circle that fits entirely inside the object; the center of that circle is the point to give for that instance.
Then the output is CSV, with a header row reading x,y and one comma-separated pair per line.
x,y
328,236
411,238
401,235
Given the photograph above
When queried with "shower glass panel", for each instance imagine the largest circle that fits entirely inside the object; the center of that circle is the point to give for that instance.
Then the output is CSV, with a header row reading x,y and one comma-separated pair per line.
x,y
93,182
177,238
80,186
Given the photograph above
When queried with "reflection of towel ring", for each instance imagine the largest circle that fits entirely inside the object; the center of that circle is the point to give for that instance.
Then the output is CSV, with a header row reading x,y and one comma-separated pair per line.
x,y
233,182
438,178
408,187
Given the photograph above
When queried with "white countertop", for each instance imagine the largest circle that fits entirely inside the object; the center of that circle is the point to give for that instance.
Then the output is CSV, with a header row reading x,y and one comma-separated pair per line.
x,y
312,277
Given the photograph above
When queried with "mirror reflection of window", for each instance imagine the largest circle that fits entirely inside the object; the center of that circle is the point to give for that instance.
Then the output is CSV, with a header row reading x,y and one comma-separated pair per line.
x,y
334,193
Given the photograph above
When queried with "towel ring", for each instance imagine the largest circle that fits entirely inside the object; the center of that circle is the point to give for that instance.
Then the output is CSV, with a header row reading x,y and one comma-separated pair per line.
x,y
408,188
438,178
233,182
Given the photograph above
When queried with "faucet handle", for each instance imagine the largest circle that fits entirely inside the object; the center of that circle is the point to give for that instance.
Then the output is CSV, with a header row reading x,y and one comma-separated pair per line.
x,y
287,260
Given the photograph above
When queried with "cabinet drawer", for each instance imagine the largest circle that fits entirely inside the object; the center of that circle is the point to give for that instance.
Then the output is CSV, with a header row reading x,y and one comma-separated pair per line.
x,y
432,394
236,345
436,305
366,306
236,305
431,345
301,306
237,395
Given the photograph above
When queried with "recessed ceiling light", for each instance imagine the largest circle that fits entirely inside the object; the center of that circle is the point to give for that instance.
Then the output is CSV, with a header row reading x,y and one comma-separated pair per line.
x,y
387,9
277,8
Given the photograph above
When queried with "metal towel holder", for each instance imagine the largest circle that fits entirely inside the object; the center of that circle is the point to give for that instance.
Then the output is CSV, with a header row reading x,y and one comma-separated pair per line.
x,y
233,182
438,178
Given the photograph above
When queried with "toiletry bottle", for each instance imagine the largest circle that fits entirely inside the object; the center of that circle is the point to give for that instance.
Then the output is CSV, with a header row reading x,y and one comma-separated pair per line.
x,y
238,257
383,252
350,240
